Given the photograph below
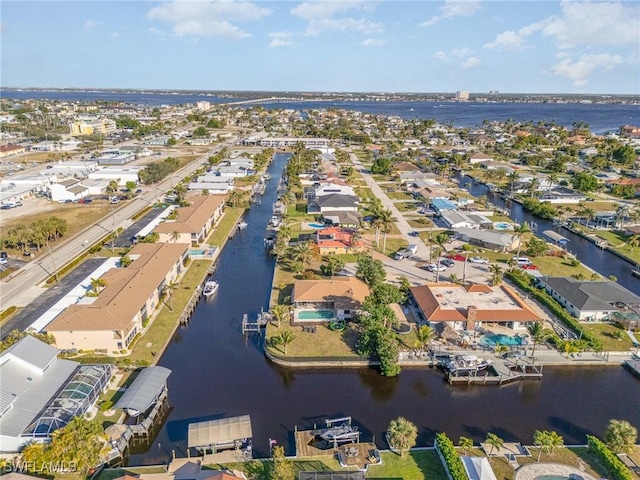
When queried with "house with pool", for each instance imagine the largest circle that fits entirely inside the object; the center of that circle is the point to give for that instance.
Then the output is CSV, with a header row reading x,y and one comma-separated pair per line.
x,y
319,301
466,307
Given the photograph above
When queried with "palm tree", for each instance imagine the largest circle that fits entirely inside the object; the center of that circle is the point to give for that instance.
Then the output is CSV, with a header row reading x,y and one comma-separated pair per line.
x,y
424,335
402,435
518,232
466,444
621,436
538,334
495,442
547,441
175,236
634,241
280,312
98,284
496,271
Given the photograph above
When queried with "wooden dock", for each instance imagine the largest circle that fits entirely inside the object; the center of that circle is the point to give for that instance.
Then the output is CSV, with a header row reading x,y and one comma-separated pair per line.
x,y
356,455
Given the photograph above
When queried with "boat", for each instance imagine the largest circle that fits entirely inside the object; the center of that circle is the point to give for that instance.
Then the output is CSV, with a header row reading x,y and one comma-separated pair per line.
x,y
210,287
242,225
465,364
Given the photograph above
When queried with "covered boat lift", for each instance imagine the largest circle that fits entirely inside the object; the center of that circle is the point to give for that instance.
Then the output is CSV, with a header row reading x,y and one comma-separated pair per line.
x,y
147,388
557,238
232,432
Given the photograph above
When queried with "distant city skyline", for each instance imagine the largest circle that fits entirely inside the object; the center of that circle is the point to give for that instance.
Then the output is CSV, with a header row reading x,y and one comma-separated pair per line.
x,y
478,46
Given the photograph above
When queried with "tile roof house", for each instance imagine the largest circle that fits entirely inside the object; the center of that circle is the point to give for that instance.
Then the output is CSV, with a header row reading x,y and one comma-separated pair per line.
x,y
337,240
589,300
343,295
468,306
111,320
194,222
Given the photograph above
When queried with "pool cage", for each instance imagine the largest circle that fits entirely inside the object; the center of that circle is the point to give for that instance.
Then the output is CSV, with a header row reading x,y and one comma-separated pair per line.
x,y
76,397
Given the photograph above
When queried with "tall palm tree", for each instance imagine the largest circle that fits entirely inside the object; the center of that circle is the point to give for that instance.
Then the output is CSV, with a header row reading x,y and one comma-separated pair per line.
x,y
424,335
402,434
621,436
495,442
538,335
466,444
496,274
387,221
518,232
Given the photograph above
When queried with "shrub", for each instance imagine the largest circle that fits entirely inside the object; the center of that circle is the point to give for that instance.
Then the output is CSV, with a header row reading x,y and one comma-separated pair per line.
x,y
450,457
610,460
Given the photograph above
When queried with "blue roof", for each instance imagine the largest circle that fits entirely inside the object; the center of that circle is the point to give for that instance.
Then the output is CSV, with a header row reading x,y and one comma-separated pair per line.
x,y
443,204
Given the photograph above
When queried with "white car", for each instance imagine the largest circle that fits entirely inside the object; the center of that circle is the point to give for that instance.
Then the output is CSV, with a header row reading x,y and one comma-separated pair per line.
x,y
481,260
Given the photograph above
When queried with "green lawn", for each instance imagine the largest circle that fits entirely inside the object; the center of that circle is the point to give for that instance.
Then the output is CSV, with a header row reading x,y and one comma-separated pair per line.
x,y
604,332
221,231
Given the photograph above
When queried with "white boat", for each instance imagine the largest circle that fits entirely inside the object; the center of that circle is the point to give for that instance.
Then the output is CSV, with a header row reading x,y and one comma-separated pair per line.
x,y
242,225
210,288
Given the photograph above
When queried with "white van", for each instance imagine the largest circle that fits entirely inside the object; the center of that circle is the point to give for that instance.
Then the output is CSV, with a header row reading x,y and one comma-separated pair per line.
x,y
522,261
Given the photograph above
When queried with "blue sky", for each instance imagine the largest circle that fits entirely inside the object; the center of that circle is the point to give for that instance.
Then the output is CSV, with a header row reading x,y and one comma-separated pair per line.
x,y
338,45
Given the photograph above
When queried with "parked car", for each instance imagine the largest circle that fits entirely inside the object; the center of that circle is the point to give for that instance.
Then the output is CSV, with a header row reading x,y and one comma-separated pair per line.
x,y
457,257
529,267
480,260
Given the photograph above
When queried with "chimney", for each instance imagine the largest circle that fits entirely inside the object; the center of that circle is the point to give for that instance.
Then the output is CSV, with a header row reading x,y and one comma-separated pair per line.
x,y
472,317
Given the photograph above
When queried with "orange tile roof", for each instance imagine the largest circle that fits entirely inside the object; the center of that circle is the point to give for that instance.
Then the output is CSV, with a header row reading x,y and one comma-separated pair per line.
x,y
126,291
345,292
193,218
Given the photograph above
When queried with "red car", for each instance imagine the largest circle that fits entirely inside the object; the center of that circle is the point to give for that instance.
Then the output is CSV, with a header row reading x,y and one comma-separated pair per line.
x,y
529,267
456,256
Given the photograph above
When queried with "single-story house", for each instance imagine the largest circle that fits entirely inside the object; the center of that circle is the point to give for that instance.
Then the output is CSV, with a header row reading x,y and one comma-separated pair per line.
x,y
110,321
193,223
465,307
341,295
589,300
502,242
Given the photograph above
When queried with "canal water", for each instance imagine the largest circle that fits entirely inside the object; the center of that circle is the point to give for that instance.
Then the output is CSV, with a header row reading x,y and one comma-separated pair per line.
x,y
217,373
598,259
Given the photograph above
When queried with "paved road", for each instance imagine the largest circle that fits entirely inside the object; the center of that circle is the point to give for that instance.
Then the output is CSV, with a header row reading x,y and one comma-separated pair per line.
x,y
21,287
50,296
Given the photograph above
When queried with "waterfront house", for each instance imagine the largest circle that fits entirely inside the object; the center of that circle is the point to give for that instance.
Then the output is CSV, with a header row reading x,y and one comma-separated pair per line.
x,y
501,242
341,296
465,307
41,393
193,223
110,321
590,300
337,240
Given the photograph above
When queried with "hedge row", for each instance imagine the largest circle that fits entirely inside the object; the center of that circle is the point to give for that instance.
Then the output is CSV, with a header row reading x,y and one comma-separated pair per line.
x,y
451,458
610,460
557,309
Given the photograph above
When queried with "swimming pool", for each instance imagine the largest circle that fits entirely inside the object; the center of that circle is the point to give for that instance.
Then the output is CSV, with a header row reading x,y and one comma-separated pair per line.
x,y
316,225
500,339
319,315
502,226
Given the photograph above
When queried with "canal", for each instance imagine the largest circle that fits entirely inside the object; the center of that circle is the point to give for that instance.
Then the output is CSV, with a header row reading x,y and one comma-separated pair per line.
x,y
600,260
217,373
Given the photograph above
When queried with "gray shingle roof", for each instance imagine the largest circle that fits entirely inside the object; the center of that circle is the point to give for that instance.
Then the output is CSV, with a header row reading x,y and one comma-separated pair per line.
x,y
591,296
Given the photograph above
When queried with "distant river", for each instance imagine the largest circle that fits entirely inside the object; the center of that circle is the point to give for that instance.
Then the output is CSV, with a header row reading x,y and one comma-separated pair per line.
x,y
216,373
600,117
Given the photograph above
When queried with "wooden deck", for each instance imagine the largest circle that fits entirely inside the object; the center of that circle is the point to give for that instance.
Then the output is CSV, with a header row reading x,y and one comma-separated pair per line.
x,y
356,455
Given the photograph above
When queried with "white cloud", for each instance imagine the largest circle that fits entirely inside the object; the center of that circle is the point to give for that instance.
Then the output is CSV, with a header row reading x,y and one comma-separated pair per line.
x,y
373,42
208,18
90,24
440,55
321,17
454,8
579,70
281,39
590,24
471,62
